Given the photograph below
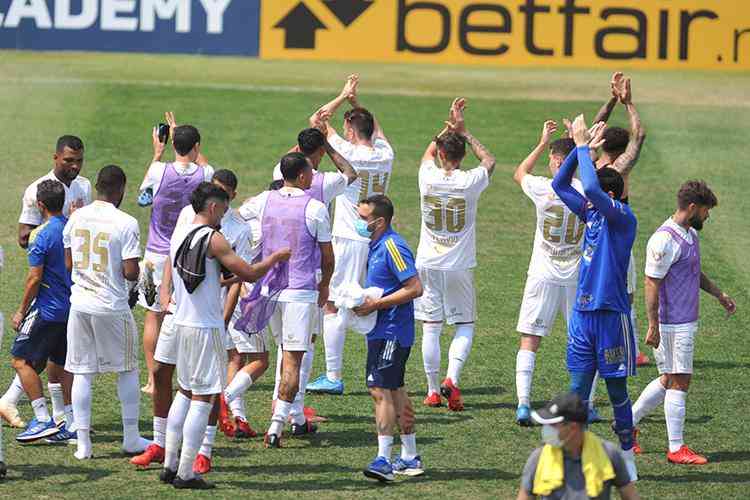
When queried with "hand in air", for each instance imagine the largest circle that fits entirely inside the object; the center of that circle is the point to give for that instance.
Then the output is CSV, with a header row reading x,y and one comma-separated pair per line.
x,y
548,130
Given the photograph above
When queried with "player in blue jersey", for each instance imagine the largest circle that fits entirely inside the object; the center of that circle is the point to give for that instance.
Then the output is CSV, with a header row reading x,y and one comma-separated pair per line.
x,y
600,334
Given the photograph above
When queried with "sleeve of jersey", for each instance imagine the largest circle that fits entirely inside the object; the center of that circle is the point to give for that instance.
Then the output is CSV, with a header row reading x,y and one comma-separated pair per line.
x,y
30,214
131,241
67,230
660,255
153,176
400,260
322,224
480,179
341,146
334,184
37,250
531,186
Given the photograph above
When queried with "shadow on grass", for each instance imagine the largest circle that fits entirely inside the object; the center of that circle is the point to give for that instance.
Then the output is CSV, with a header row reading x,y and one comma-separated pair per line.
x,y
352,439
729,456
702,419
700,477
36,472
428,417
717,365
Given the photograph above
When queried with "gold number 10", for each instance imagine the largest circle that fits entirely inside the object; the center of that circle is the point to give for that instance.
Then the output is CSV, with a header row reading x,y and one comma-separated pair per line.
x,y
86,249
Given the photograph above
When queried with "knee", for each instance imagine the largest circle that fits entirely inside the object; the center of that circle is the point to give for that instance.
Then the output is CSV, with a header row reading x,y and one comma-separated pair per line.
x,y
18,364
377,395
679,382
580,383
530,342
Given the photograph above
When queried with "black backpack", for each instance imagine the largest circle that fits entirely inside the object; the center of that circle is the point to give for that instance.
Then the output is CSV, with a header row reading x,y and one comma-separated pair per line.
x,y
190,260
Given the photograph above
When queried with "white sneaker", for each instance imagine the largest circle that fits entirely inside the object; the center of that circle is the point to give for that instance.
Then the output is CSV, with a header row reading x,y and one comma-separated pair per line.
x,y
629,457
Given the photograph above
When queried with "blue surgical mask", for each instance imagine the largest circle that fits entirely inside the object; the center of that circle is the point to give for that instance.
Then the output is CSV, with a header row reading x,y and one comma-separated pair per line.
x,y
363,228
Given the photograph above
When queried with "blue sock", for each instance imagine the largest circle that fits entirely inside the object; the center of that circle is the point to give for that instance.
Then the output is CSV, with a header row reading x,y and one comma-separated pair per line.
x,y
580,383
617,388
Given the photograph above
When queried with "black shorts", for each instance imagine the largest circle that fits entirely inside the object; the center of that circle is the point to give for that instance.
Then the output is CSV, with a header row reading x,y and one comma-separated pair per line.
x,y
38,340
386,364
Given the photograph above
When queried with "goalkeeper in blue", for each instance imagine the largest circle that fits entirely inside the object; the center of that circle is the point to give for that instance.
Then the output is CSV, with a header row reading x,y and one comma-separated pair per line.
x,y
600,334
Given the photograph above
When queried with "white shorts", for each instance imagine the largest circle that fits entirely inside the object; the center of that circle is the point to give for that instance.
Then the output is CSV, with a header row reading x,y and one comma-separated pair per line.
x,y
158,261
166,344
101,343
201,360
293,323
448,296
675,351
249,344
351,263
632,276
542,302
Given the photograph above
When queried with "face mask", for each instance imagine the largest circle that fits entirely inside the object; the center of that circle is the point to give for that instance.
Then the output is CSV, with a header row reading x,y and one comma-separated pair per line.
x,y
551,436
363,228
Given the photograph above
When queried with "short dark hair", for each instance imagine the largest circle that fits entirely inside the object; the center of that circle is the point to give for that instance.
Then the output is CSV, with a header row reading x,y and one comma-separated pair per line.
x,y
615,141
381,206
206,192
69,141
310,140
110,180
697,192
562,147
292,164
610,180
51,194
276,185
361,120
185,138
227,178
452,145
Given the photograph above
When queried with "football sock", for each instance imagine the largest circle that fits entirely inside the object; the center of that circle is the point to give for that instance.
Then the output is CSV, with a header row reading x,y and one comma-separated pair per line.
x,y
277,383
81,396
408,446
130,397
237,387
385,445
175,421
431,354
69,420
651,397
193,433
459,351
617,388
298,406
525,361
160,431
208,441
237,407
40,409
674,411
334,335
58,403
280,414
592,393
14,392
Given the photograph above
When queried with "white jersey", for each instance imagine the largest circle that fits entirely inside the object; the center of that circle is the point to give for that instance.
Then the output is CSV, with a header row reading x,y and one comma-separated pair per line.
x,y
155,174
557,239
204,308
374,166
449,203
236,231
334,184
100,237
77,195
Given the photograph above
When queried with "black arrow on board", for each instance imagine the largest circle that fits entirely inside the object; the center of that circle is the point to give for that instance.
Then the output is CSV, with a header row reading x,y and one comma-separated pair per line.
x,y
347,11
300,25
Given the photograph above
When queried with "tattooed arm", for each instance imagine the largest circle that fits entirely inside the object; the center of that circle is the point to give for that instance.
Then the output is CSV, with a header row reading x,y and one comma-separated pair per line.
x,y
486,159
626,161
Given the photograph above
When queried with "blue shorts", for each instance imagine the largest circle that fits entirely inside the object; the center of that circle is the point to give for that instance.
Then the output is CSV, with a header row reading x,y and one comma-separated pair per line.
x,y
39,340
386,364
601,340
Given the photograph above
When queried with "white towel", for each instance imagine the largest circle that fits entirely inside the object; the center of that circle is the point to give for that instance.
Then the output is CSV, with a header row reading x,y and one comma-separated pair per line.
x,y
350,296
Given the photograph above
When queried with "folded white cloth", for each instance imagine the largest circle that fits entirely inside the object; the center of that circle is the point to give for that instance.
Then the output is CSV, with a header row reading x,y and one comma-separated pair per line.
x,y
352,295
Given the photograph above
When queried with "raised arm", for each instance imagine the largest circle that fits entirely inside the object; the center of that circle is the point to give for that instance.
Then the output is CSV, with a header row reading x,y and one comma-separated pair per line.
x,y
606,110
332,106
562,186
527,165
627,160
457,123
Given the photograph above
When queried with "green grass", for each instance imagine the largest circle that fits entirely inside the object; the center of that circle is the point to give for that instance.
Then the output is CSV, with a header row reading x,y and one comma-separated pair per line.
x,y
249,113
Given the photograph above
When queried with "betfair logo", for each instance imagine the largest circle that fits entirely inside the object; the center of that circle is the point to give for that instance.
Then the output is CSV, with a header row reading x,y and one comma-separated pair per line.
x,y
301,24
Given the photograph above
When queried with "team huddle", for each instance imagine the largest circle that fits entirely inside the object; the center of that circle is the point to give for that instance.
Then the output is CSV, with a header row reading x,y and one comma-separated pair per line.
x,y
221,286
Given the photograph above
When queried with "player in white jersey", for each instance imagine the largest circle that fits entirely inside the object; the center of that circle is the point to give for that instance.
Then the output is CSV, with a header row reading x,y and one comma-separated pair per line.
x,y
446,256
102,251
198,252
366,148
553,270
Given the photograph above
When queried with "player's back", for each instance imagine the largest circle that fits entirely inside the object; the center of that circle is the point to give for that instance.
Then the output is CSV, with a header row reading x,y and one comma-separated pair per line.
x,y
449,204
100,237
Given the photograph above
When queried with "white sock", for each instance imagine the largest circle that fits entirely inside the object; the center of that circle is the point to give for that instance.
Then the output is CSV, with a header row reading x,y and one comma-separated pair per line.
x,y
431,355
129,394
175,420
651,397
334,336
160,431
193,432
69,419
277,383
81,396
674,411
408,446
459,351
592,394
298,406
238,386
14,392
280,414
40,409
83,444
525,361
208,441
385,445
58,403
237,407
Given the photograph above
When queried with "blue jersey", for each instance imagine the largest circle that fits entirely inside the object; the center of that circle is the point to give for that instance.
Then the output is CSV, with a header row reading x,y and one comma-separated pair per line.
x,y
608,239
390,264
46,250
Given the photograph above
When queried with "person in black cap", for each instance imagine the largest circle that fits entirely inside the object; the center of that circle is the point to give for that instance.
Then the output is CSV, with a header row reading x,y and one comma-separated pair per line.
x,y
573,463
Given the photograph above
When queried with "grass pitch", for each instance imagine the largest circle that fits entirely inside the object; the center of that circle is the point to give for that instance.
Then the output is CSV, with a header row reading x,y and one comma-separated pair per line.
x,y
249,113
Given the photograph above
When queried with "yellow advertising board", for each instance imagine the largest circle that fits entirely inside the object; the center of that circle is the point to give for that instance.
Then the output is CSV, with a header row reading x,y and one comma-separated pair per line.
x,y
695,34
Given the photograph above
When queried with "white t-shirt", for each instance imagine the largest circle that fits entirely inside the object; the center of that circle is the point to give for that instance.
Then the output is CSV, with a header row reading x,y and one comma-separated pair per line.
x,y
334,183
661,252
318,223
204,308
374,166
76,196
100,237
233,227
557,239
155,173
449,202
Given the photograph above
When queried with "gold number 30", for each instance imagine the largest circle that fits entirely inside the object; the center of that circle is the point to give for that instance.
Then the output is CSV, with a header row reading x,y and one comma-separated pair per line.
x,y
86,249
447,214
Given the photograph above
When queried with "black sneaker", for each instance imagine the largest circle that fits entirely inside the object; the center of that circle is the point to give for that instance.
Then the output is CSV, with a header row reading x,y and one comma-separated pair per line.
x,y
167,476
272,441
196,483
302,429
